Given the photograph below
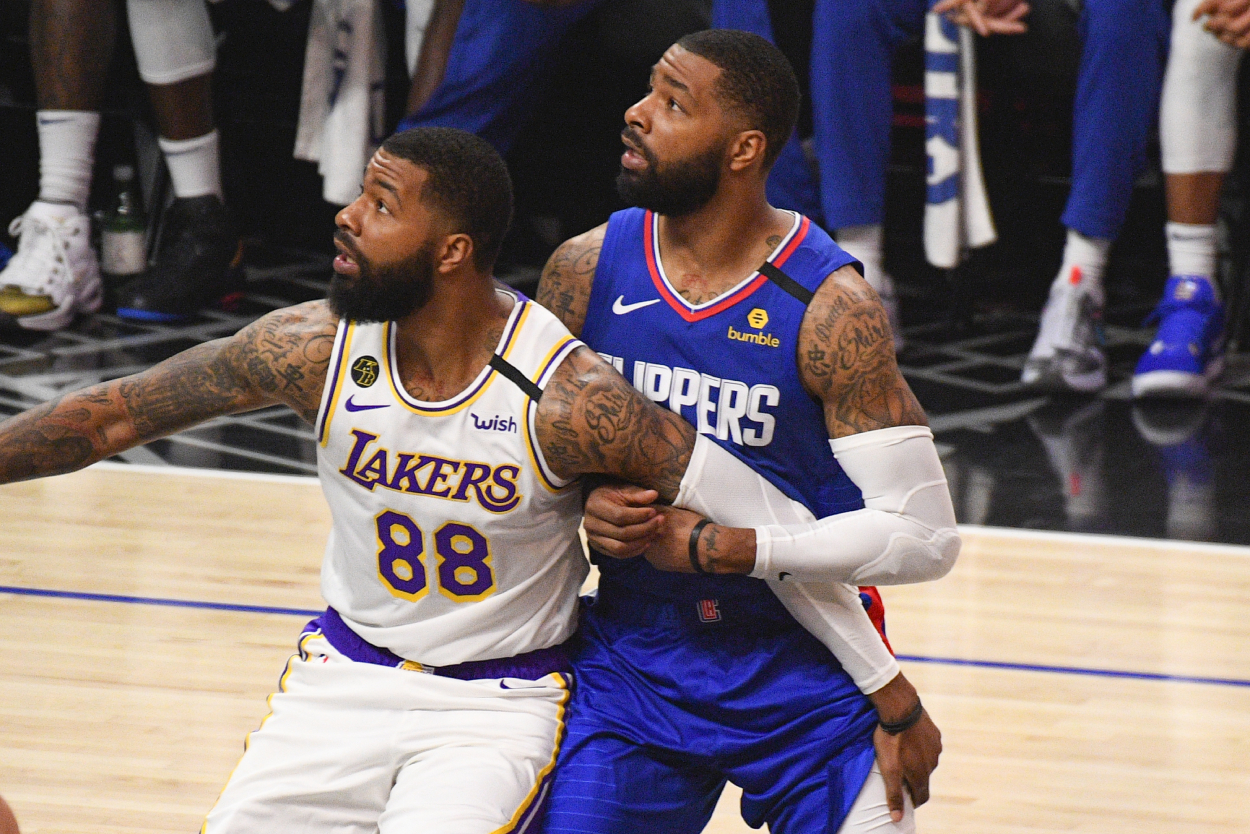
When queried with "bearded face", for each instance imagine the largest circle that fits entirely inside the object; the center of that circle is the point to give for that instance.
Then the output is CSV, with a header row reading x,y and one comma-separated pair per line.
x,y
382,292
670,188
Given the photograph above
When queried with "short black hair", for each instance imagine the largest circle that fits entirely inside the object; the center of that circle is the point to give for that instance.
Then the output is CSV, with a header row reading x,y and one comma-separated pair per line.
x,y
756,81
467,181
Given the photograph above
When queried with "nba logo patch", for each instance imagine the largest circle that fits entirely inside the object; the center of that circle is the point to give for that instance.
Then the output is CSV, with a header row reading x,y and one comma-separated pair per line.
x,y
709,611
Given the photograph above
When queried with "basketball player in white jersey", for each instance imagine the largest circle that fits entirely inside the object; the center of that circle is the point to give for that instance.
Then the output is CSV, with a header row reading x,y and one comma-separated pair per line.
x,y
452,417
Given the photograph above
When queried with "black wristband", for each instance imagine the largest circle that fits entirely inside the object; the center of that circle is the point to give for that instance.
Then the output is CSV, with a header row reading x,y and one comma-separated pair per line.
x,y
906,723
694,545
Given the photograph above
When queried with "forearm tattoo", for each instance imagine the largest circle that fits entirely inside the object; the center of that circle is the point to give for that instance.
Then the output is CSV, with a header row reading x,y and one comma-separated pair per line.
x,y
281,358
846,360
591,421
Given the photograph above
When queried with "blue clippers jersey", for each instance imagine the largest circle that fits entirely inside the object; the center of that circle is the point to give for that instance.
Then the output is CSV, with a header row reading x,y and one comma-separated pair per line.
x,y
728,367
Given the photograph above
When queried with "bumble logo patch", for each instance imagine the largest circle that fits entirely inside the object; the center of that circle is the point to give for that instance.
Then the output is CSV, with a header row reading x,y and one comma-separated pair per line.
x,y
758,319
365,371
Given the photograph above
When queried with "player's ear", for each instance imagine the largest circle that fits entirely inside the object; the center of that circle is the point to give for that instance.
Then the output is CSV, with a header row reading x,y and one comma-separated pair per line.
x,y
746,149
456,252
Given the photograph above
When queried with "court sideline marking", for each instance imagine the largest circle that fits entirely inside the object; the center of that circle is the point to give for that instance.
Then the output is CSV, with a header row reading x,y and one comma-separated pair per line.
x,y
944,661
1003,532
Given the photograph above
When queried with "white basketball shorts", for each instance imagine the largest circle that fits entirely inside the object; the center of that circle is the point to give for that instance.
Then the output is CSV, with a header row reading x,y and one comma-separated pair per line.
x,y
354,747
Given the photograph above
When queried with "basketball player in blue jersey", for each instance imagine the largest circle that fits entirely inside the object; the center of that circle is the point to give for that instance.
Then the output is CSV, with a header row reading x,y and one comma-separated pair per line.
x,y
453,416
754,326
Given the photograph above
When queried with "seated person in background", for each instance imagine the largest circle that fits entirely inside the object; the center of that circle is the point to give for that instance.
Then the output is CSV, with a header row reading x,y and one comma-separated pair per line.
x,y
1124,44
1198,137
479,61
55,272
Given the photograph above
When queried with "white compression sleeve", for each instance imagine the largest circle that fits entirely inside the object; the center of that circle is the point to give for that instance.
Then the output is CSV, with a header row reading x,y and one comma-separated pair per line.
x,y
1198,112
173,39
729,492
833,613
905,533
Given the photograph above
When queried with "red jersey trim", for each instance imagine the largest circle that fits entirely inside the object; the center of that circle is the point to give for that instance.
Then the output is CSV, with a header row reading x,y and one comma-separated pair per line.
x,y
680,305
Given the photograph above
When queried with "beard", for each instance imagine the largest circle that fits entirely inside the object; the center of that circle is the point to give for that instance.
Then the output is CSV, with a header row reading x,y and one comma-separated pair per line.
x,y
383,293
675,189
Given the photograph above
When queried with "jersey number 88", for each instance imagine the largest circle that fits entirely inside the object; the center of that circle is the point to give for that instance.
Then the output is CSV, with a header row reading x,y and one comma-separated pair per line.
x,y
462,555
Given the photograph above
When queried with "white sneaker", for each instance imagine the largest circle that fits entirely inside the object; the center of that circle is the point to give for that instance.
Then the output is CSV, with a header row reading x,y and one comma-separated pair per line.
x,y
1067,354
55,273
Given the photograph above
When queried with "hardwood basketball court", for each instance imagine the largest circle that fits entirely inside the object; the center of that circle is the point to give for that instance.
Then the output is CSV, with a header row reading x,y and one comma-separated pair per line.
x,y
1082,683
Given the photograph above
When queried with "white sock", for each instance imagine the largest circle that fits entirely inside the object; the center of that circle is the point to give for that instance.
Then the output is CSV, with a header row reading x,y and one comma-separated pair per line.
x,y
863,243
194,165
1192,249
1088,257
66,153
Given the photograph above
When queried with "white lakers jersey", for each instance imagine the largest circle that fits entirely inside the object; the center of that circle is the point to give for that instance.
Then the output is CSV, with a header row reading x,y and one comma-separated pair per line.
x,y
452,540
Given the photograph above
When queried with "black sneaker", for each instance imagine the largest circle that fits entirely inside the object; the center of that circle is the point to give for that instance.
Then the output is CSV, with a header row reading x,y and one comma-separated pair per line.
x,y
199,262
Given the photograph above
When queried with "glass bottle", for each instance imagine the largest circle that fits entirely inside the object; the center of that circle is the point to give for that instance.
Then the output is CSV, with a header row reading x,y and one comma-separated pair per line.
x,y
123,237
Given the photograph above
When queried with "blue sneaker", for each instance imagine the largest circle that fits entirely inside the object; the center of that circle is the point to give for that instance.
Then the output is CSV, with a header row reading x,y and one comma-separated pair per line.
x,y
1188,351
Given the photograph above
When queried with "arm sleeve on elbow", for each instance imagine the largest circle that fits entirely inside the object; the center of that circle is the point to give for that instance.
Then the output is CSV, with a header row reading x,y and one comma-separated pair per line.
x,y
905,533
834,615
724,489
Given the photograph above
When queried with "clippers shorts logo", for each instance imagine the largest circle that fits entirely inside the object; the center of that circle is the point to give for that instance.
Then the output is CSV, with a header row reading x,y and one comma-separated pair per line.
x,y
709,611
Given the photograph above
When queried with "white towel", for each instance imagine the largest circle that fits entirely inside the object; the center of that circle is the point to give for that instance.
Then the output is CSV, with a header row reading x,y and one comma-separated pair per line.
x,y
957,211
341,106
418,18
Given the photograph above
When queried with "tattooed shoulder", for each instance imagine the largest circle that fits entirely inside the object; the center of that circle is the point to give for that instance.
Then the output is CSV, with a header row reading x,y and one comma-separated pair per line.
x,y
564,288
286,354
846,359
591,421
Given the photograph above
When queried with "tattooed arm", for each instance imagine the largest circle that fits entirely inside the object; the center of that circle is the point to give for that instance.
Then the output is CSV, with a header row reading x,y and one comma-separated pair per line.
x,y
564,288
906,531
846,359
279,359
591,421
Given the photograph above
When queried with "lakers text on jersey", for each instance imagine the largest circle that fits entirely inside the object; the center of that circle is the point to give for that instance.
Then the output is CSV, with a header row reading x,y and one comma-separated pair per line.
x,y
451,540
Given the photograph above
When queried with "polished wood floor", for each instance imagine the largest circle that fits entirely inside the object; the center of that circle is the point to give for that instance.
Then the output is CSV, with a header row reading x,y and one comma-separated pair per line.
x,y
128,716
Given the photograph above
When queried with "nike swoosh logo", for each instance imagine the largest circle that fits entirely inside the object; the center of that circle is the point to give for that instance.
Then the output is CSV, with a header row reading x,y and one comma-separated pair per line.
x,y
351,406
621,308
781,577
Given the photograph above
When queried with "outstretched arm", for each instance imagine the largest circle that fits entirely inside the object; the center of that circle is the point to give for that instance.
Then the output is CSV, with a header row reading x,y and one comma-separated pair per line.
x,y
278,359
